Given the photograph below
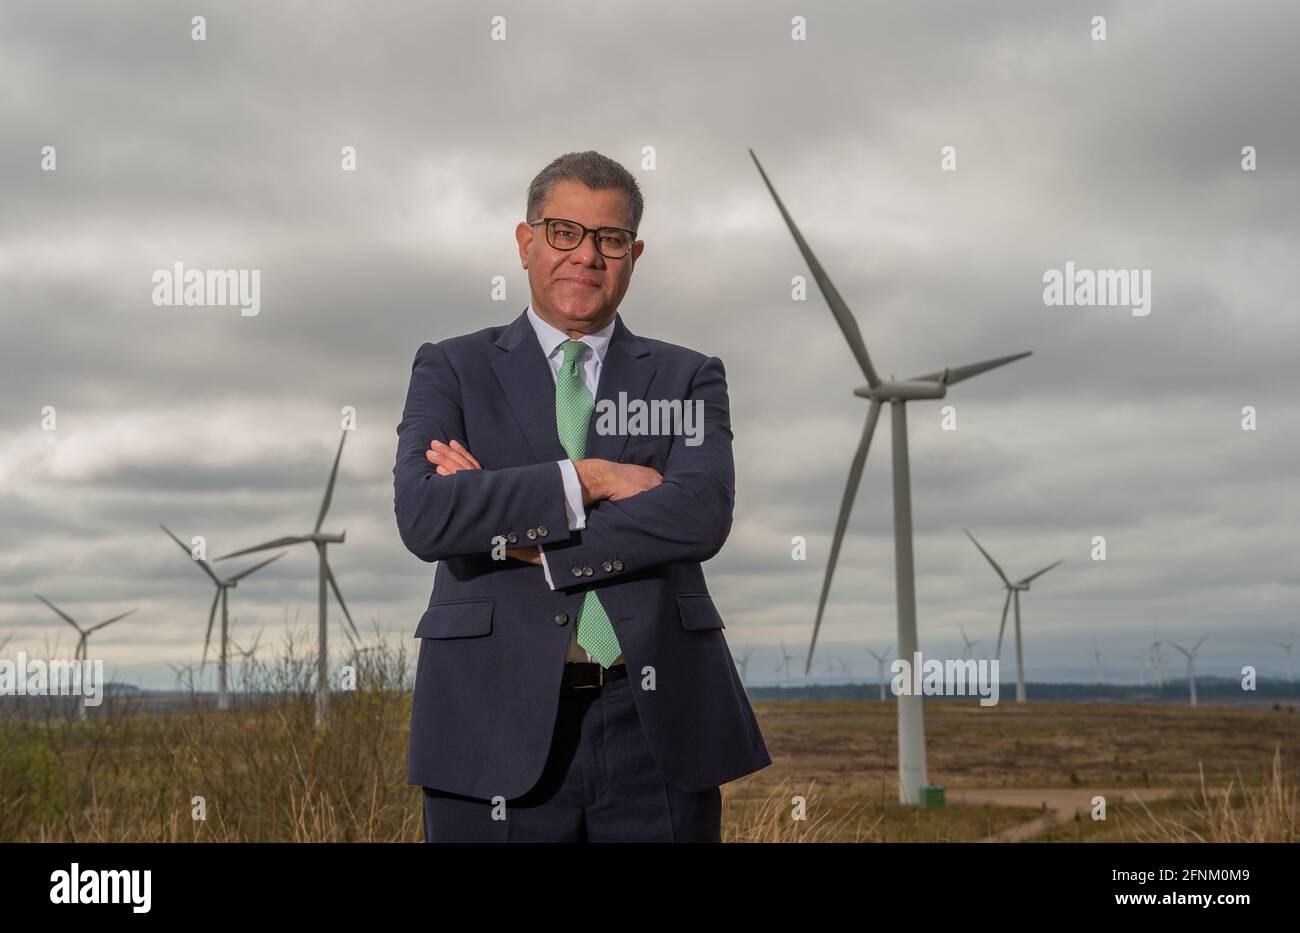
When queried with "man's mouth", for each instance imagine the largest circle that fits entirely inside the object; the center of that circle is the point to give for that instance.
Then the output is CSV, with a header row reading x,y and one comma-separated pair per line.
x,y
582,283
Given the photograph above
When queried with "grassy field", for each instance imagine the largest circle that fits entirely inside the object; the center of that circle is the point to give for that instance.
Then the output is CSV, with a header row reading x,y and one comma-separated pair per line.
x,y
260,772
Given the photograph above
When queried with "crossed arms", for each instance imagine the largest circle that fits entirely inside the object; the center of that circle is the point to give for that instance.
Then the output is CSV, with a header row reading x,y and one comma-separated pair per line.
x,y
447,505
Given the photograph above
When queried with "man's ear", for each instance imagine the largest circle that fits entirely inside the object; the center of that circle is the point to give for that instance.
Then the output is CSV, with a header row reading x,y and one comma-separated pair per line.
x,y
524,237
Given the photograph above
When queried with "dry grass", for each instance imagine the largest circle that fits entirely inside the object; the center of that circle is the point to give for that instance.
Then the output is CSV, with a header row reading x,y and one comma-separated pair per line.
x,y
263,773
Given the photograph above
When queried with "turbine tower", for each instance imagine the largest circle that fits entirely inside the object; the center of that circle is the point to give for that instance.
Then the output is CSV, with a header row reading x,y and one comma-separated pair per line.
x,y
321,540
1013,590
1191,664
221,596
83,642
911,724
1096,659
1157,659
1286,646
881,661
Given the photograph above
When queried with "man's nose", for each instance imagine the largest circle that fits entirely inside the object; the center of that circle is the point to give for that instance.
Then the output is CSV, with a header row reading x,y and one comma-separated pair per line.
x,y
586,252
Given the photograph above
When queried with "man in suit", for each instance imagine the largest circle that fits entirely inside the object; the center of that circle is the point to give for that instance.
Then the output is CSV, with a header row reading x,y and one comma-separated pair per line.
x,y
573,681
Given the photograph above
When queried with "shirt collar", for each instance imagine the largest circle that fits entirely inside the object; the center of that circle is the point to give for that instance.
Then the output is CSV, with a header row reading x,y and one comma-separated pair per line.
x,y
551,337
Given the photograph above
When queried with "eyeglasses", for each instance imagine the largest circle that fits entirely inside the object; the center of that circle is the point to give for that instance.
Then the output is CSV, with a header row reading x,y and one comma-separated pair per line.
x,y
611,242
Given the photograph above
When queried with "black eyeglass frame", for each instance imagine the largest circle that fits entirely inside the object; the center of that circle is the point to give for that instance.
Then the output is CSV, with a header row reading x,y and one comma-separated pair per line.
x,y
585,230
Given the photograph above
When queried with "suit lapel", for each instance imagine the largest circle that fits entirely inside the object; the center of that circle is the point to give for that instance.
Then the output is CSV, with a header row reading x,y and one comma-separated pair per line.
x,y
529,387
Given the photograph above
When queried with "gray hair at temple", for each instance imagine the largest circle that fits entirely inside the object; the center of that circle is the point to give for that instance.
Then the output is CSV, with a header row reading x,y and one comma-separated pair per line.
x,y
597,172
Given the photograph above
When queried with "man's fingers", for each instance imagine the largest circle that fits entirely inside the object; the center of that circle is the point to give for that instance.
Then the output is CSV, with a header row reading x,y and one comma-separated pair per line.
x,y
448,457
462,449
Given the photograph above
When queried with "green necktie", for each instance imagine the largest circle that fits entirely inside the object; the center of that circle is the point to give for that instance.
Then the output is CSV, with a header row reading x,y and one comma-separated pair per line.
x,y
573,407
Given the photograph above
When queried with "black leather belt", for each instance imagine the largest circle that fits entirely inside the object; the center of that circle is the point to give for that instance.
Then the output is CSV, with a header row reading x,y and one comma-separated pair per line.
x,y
583,675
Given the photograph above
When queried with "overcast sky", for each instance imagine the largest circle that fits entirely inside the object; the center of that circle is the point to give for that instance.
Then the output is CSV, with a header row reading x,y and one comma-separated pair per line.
x,y
225,153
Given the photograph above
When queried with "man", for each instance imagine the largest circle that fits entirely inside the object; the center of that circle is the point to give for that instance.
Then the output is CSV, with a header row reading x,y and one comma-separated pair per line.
x,y
573,681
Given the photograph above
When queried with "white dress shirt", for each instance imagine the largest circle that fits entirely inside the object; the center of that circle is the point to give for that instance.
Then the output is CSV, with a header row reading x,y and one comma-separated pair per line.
x,y
552,339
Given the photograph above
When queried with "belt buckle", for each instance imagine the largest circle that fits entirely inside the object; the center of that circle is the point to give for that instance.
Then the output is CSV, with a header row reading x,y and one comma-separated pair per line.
x,y
600,673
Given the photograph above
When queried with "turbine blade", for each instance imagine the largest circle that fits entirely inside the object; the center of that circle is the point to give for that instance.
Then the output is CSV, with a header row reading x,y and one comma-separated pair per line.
x,y
278,542
989,559
842,521
67,618
110,621
329,575
329,488
1197,647
1005,606
243,573
189,553
1181,648
954,375
843,316
1034,576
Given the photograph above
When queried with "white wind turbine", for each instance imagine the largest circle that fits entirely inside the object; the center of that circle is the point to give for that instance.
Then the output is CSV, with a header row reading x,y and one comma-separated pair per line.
x,y
222,597
1157,659
321,540
743,663
1191,664
83,642
783,666
1096,658
881,661
1013,590
968,645
1286,646
911,722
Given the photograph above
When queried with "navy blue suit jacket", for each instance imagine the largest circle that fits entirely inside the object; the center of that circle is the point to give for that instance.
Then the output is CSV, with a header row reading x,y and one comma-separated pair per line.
x,y
494,637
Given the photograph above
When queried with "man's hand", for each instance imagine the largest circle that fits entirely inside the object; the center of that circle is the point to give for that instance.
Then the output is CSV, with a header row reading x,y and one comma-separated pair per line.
x,y
454,457
605,479
451,458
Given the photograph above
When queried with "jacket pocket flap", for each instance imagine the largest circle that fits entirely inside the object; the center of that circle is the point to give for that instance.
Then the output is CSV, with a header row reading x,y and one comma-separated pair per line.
x,y
456,619
699,612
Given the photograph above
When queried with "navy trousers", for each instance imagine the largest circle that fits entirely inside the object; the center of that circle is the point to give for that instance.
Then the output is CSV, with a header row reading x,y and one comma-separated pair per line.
x,y
600,784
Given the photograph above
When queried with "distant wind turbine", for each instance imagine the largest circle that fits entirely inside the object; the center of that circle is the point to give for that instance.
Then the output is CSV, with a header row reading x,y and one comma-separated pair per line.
x,y
783,667
968,646
222,597
911,723
1286,646
1096,657
321,540
1013,590
1191,664
881,661
83,643
743,663
1157,659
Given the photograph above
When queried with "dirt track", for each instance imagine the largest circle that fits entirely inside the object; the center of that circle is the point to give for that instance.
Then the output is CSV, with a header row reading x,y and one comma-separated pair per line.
x,y
1059,805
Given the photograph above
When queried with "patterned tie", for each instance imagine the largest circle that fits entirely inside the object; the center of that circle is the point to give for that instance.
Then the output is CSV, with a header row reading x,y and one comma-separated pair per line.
x,y
573,407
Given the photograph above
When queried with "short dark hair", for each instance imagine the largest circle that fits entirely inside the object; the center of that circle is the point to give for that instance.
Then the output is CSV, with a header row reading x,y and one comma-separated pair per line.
x,y
597,172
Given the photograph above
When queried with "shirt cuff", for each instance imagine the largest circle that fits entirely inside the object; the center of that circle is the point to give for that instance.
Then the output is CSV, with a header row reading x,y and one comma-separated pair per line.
x,y
572,496
545,569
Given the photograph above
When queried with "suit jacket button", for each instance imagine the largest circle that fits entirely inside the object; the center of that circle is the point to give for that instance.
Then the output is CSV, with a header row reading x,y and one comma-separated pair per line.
x,y
586,571
512,538
618,565
577,571
561,618
541,531
532,534
607,566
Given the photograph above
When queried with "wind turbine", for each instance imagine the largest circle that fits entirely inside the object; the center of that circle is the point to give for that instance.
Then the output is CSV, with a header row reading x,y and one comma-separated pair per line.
x,y
221,596
881,661
83,643
911,722
783,666
1157,659
1013,589
1286,646
322,540
1096,658
1191,664
743,663
968,645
